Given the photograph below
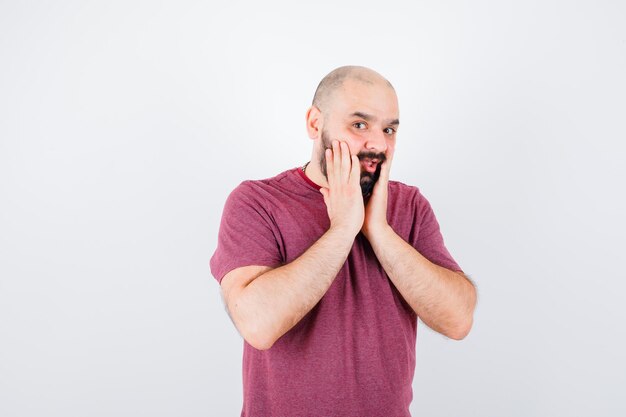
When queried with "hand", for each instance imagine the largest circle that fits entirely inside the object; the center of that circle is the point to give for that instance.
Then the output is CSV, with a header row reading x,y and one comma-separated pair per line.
x,y
376,207
343,197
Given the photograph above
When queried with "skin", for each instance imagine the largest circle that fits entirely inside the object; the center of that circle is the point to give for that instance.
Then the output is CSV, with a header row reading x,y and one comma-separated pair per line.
x,y
264,303
444,299
357,136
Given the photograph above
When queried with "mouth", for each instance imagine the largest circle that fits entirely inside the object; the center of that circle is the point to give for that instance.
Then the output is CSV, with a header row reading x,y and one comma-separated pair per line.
x,y
369,164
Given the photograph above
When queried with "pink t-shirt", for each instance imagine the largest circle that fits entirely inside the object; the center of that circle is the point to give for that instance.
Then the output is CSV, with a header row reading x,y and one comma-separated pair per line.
x,y
353,354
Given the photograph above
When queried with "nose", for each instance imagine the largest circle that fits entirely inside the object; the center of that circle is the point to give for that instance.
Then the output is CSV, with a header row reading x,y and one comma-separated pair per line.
x,y
376,142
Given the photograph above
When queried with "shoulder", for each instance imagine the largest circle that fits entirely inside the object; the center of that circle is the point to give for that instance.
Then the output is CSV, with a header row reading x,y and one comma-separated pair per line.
x,y
404,191
259,193
258,186
409,196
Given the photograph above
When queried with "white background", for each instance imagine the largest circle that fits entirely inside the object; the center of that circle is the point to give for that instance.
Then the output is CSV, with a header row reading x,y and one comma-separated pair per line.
x,y
124,126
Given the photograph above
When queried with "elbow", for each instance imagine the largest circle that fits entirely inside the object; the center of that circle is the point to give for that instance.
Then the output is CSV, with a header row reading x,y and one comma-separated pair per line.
x,y
258,338
464,323
251,331
460,331
259,344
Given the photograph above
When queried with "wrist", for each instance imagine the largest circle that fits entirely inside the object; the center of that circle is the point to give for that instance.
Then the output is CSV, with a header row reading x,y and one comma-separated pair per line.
x,y
374,230
343,231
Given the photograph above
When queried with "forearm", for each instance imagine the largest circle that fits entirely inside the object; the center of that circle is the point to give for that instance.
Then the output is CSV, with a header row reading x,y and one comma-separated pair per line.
x,y
277,300
442,298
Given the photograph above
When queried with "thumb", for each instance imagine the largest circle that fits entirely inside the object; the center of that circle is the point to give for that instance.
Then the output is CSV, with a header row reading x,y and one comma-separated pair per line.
x,y
324,192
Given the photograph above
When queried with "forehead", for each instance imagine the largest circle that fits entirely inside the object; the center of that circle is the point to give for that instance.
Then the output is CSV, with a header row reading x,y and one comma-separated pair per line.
x,y
373,98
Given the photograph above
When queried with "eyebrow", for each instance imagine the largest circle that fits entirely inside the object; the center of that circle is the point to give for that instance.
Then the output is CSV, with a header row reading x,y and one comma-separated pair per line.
x,y
369,117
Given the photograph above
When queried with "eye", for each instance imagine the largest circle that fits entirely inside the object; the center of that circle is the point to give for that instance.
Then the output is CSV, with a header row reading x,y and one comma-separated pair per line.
x,y
392,130
358,123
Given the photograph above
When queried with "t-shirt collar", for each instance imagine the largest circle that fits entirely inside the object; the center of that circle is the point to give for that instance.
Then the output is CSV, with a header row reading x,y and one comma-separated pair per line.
x,y
307,179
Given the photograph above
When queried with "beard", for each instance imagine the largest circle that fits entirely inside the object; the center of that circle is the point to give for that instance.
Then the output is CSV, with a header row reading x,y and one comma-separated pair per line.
x,y
367,180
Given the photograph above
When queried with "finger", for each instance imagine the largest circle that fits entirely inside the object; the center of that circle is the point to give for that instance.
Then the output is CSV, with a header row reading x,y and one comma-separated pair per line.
x,y
336,160
345,162
324,192
386,167
384,171
355,171
390,153
330,170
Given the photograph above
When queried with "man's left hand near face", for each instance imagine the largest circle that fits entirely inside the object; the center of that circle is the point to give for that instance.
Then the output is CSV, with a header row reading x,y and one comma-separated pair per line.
x,y
376,206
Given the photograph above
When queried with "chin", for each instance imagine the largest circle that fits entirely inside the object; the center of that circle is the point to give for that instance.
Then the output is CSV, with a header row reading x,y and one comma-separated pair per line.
x,y
368,181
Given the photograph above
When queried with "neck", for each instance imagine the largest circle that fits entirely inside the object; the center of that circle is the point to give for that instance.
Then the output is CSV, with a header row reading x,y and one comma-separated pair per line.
x,y
314,173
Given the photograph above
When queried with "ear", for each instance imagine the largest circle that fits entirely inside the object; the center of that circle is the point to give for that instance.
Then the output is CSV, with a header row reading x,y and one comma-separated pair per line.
x,y
314,122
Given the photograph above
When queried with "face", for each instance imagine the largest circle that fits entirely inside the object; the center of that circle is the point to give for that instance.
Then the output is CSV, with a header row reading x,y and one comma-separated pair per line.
x,y
370,171
365,116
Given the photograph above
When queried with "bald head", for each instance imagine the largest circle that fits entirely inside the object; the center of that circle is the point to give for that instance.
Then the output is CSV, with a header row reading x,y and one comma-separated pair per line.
x,y
334,80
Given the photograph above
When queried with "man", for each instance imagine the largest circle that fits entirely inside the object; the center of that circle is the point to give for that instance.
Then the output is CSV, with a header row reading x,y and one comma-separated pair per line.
x,y
325,268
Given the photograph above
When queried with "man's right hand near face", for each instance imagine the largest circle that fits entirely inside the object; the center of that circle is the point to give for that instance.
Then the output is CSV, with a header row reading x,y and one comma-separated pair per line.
x,y
343,197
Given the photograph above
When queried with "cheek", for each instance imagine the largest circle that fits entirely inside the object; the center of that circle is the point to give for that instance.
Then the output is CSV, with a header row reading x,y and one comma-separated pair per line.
x,y
354,137
356,144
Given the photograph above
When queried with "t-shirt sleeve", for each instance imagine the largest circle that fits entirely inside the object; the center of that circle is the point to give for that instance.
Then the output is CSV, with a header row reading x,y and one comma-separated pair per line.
x,y
429,241
245,235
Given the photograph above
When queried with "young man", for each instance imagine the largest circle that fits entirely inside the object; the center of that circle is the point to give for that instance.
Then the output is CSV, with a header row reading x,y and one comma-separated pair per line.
x,y
325,268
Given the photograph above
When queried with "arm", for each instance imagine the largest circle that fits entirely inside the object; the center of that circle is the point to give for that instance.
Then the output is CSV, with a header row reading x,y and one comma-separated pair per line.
x,y
442,298
277,300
